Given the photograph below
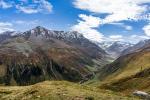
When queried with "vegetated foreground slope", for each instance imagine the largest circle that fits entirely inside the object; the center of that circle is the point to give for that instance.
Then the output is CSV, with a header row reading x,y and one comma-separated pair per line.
x,y
128,73
41,54
58,90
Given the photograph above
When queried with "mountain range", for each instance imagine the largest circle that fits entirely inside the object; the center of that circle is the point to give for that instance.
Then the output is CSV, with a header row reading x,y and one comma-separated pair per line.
x,y
114,48
41,54
137,47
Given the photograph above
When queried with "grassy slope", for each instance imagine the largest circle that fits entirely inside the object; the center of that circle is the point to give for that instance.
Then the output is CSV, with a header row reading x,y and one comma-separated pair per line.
x,y
58,90
134,73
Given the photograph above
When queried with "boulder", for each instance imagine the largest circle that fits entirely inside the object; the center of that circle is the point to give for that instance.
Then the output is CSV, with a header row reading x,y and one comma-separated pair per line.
x,y
142,95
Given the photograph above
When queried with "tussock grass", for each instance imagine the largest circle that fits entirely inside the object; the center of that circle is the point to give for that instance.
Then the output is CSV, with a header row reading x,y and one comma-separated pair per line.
x,y
133,74
58,90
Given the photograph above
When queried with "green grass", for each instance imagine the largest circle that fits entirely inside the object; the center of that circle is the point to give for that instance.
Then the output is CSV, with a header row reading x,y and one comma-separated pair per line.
x,y
133,74
58,90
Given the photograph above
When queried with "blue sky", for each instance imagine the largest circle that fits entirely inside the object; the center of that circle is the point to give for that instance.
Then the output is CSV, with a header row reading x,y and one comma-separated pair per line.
x,y
98,20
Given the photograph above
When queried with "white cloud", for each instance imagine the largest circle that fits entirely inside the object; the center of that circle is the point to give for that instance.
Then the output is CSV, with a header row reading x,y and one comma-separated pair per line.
x,y
117,10
37,6
131,38
27,10
127,27
5,5
87,26
26,22
115,38
147,29
34,6
5,26
19,22
25,1
136,38
46,5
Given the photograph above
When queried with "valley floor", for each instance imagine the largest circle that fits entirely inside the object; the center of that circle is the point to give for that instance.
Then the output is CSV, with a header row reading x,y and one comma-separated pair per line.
x,y
58,90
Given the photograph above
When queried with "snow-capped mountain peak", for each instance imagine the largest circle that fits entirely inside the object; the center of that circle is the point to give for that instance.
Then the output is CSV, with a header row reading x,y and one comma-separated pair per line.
x,y
114,48
53,33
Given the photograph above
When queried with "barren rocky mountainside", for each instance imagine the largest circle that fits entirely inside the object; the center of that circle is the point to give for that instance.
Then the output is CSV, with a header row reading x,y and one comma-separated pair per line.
x,y
41,54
